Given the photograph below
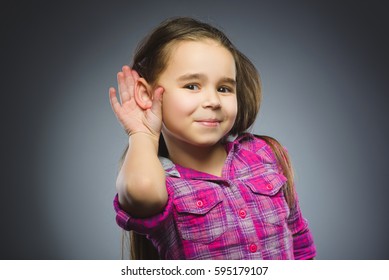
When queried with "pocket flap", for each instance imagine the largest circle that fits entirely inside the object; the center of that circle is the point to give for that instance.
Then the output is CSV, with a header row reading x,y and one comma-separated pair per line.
x,y
266,184
198,202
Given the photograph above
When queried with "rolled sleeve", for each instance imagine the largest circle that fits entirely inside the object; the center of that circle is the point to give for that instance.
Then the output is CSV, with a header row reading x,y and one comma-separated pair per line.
x,y
303,244
142,225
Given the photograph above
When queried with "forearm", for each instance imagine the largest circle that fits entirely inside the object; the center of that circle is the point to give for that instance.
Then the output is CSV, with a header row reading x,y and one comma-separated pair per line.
x,y
303,243
141,181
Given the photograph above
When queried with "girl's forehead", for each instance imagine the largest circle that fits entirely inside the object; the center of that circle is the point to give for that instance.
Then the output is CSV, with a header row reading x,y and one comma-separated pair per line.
x,y
205,54
200,44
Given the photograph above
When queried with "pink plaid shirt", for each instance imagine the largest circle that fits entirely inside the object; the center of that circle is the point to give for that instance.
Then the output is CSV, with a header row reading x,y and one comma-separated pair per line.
x,y
240,215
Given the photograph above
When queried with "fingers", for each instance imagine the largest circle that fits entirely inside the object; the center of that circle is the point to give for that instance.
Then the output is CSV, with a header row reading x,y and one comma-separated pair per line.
x,y
126,84
114,101
121,86
130,82
135,75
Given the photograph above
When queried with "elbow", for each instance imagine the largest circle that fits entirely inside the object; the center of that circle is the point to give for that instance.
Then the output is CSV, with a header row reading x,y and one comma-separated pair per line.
x,y
138,188
141,197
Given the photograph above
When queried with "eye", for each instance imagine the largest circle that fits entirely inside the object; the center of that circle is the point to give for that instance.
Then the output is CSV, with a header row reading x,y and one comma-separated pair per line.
x,y
192,87
224,89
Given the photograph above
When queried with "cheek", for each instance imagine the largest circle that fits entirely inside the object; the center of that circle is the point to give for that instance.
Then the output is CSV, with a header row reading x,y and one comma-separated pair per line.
x,y
232,108
178,104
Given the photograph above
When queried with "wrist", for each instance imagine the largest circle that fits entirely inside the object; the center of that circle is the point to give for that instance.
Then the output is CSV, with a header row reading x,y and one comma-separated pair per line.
x,y
144,133
144,137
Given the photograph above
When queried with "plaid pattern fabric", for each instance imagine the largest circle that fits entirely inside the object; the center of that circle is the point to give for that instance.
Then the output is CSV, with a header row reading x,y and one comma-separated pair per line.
x,y
241,215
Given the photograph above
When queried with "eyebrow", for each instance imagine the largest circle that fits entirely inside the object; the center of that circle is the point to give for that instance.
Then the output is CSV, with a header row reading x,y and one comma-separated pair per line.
x,y
200,76
228,81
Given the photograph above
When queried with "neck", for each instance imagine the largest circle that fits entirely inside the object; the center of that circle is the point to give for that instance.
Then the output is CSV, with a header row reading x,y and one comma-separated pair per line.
x,y
208,159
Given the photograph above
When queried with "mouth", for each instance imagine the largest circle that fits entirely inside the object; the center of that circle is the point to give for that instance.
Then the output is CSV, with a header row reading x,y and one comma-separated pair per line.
x,y
209,122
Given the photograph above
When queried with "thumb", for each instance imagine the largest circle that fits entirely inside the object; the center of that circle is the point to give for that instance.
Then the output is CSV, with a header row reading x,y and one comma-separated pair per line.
x,y
157,100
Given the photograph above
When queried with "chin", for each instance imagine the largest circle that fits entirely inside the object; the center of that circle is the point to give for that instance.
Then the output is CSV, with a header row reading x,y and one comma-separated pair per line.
x,y
206,142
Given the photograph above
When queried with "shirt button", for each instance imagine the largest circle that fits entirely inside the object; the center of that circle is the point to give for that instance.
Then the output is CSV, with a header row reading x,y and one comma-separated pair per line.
x,y
242,213
253,248
269,187
199,204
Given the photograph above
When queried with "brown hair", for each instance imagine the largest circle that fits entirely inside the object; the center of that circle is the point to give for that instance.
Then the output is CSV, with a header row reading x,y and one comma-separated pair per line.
x,y
151,59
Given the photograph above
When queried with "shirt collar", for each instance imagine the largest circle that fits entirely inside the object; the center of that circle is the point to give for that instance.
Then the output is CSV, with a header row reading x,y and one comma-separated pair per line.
x,y
232,144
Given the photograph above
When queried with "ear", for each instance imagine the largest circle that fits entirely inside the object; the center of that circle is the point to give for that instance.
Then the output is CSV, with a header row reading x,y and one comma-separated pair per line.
x,y
142,94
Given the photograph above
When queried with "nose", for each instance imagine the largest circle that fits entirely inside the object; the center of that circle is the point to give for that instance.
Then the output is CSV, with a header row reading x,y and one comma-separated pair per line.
x,y
212,99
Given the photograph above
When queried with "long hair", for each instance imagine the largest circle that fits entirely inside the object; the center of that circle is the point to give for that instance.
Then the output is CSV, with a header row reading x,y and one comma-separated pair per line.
x,y
150,60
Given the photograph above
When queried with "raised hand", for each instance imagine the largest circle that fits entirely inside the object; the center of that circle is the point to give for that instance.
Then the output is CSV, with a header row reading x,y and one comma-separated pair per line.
x,y
140,107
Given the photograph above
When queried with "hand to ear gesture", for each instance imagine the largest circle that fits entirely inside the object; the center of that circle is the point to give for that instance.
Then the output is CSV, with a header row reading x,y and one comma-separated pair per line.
x,y
140,107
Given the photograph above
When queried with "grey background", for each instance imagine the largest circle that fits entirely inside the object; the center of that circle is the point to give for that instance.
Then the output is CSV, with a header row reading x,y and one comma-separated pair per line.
x,y
324,68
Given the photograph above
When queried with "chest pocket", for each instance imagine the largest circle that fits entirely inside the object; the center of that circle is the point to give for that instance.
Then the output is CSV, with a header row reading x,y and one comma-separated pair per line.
x,y
201,216
268,197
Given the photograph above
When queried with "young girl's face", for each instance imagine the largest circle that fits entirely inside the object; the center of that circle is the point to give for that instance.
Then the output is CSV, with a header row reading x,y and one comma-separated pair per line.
x,y
199,102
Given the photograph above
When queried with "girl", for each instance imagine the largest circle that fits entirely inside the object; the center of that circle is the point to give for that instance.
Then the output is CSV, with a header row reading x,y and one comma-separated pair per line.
x,y
193,184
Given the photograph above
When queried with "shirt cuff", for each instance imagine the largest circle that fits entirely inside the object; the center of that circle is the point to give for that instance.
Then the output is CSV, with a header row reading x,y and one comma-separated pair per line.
x,y
304,247
142,225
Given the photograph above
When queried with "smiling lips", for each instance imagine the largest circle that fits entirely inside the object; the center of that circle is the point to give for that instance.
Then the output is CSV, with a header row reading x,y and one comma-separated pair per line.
x,y
209,122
